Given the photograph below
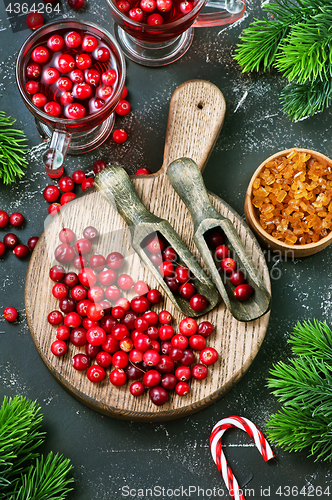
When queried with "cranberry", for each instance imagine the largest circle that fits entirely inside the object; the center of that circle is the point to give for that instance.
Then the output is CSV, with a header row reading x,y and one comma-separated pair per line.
x,y
182,274
71,279
32,242
96,294
136,388
197,342
102,54
10,240
123,108
183,373
115,260
59,291
148,5
76,76
187,290
151,317
64,253
66,184
82,90
228,265
199,372
169,381
165,365
75,111
72,320
73,40
76,4
107,278
55,318
91,350
88,323
96,335
155,244
141,288
179,341
118,377
57,273
166,332
95,311
205,328
156,259
16,219
208,356
126,344
33,70
118,312
80,362
32,87
51,193
142,171
123,302
83,61
83,246
98,262
39,100
78,337
123,5
90,233
88,183
78,177
170,254
89,43
166,269
55,43
142,342
188,357
112,293
34,20
62,332
136,356
151,378
166,347
120,331
87,277
158,396
4,219
141,324
136,14
175,353
198,303
40,55
151,358
98,166
92,76
66,235
109,78
95,373
125,282
79,262
53,209
214,239
165,318
59,348
52,108
164,5
221,252
104,92
10,314
21,251
105,304
237,278
172,284
152,332
182,388
67,305
188,326
110,345
155,19
120,359
120,136
82,307
140,304
104,359
186,7
50,76
2,248
243,292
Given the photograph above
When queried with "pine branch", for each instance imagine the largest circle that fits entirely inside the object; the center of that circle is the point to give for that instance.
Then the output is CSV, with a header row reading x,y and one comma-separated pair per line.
x,y
20,435
306,99
312,339
295,431
46,480
12,150
305,384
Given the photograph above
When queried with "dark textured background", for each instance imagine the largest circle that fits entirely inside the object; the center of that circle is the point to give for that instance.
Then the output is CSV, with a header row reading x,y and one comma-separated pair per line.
x,y
108,454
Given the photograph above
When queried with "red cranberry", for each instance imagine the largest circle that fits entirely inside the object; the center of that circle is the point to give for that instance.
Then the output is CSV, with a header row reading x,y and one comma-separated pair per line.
x,y
243,292
109,78
197,342
183,373
67,305
148,5
51,193
188,326
118,312
120,359
165,365
221,252
83,61
123,302
126,344
118,377
82,307
165,318
237,278
52,108
187,290
78,177
170,254
208,356
76,76
89,43
33,71
75,111
88,183
76,4
95,311
166,269
141,288
141,324
140,304
228,265
82,91
88,323
182,388
106,277
39,100
169,381
186,7
4,219
72,320
155,244
179,341
71,279
95,373
57,273
96,335
64,253
151,378
2,248
50,76
155,19
188,357
112,293
123,5
32,87
166,332
55,43
66,184
142,171
151,317
10,314
198,303
158,396
73,40
98,166
83,246
34,20
91,350
80,362
166,347
125,282
175,353
92,76
87,277
10,240
32,242
59,291
172,284
40,54
214,239
53,209
151,358
123,108
182,274
120,136
55,318
136,388
62,332
164,5
115,260
78,337
205,328
199,372
102,54
59,348
79,262
104,359
110,345
152,332
156,259
16,219
90,233
66,235
97,262
21,251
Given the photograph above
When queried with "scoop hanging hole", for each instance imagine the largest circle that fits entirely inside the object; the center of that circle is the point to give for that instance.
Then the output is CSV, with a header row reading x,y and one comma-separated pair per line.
x,y
200,105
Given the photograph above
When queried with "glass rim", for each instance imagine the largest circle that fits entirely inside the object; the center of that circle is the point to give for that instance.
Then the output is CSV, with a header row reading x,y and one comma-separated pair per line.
x,y
47,28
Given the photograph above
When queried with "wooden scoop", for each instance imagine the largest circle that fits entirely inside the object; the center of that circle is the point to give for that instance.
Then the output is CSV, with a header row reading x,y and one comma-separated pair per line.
x,y
187,180
115,186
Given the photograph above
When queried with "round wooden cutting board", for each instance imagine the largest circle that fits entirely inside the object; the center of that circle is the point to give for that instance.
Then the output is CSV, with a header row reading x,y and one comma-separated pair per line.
x,y
197,110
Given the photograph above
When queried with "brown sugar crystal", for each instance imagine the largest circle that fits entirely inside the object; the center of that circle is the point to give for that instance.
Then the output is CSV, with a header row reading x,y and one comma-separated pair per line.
x,y
293,196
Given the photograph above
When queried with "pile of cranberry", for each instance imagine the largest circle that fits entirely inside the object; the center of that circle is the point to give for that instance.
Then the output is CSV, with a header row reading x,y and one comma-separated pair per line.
x,y
10,240
228,266
177,277
155,12
71,75
139,344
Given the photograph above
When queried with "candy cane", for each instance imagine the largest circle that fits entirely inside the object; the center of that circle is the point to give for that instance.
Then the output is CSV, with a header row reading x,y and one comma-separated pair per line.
x,y
219,456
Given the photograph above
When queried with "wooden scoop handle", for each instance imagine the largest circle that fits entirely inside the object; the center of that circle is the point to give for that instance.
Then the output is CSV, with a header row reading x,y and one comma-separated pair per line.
x,y
196,114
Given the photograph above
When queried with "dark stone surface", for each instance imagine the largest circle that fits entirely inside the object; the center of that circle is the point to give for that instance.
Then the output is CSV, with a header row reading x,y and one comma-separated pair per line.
x,y
108,454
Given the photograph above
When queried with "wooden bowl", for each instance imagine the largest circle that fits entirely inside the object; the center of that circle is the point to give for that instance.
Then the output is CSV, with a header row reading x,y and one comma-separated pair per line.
x,y
265,238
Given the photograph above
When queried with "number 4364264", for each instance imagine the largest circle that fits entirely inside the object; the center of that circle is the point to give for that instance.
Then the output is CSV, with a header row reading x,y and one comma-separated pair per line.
x,y
18,8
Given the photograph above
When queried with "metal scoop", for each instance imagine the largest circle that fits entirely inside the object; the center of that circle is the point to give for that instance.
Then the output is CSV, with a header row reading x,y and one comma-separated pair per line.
x,y
116,187
187,180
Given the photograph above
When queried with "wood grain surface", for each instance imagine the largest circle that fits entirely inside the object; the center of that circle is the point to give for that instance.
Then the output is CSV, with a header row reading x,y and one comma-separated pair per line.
x,y
196,114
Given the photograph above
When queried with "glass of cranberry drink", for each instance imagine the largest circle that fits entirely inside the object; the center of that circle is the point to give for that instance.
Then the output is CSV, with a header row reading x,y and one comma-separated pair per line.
x,y
71,76
158,32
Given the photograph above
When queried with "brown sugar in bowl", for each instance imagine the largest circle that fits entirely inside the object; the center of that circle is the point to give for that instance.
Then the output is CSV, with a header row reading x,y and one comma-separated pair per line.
x,y
266,239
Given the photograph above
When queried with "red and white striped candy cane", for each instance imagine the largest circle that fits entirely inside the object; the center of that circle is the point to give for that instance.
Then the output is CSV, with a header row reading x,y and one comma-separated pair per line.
x,y
219,456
